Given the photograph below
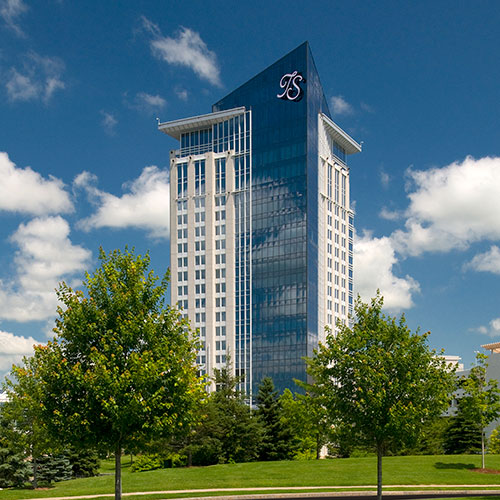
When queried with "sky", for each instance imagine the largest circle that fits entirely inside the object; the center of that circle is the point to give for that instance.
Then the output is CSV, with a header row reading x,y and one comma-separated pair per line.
x,y
82,164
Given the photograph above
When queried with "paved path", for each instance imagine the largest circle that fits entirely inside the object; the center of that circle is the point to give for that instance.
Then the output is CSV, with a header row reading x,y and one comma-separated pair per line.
x,y
418,491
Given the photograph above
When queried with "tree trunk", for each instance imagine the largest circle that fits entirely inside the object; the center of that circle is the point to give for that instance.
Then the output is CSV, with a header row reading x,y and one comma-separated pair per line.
x,y
35,473
118,471
318,446
379,472
482,447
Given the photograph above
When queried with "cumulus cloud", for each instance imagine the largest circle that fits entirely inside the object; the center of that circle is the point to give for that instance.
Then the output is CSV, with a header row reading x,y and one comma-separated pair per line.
x,y
340,106
108,122
10,11
374,261
26,191
185,49
38,78
451,207
146,205
45,256
148,103
492,329
488,261
13,348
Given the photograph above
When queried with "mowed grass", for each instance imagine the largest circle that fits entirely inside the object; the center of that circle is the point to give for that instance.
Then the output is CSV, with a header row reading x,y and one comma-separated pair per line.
x,y
411,470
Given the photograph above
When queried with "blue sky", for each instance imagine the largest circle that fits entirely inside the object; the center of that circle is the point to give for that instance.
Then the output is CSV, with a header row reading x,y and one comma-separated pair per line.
x,y
83,165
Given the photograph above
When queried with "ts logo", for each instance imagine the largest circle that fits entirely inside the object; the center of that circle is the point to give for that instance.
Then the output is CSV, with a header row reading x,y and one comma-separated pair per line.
x,y
292,90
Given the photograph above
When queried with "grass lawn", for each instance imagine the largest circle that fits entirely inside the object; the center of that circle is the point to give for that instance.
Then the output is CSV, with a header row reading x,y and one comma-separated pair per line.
x,y
418,470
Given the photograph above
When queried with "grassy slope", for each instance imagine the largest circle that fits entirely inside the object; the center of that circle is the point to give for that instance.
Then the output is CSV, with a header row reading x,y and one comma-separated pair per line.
x,y
446,469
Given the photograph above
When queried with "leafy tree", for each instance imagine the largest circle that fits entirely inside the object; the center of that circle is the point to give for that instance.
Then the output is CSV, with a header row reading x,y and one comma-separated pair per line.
x,y
480,402
432,438
277,436
380,381
314,415
27,428
494,441
122,365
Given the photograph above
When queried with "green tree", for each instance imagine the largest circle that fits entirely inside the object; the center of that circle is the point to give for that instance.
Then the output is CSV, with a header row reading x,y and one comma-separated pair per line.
x,y
463,435
480,402
54,468
494,441
314,415
380,381
23,409
228,431
14,470
277,438
122,365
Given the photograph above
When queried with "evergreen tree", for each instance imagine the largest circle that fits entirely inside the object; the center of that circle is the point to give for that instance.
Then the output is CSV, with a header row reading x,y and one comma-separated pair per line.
x,y
463,434
228,431
14,470
53,468
84,462
277,439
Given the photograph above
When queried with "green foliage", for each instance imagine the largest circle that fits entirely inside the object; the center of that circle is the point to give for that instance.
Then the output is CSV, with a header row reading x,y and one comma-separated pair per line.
x,y
494,441
14,471
312,417
122,365
146,462
277,438
432,438
228,431
379,381
463,434
53,468
23,413
480,402
84,462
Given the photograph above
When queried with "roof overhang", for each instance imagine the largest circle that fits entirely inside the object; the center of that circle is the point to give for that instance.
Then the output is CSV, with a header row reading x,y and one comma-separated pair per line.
x,y
494,347
340,137
177,127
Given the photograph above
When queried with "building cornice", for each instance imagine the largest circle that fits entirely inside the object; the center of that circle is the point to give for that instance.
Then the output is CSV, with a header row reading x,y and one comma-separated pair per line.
x,y
340,137
177,127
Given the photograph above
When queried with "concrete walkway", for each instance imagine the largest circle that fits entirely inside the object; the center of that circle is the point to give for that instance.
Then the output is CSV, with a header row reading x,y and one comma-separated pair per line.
x,y
417,490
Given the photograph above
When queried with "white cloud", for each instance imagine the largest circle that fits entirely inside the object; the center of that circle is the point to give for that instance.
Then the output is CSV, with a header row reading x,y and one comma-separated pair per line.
x,y
452,207
488,261
385,179
387,214
341,106
13,348
374,261
367,107
182,94
146,205
39,78
10,10
186,49
148,103
45,256
26,191
108,122
492,329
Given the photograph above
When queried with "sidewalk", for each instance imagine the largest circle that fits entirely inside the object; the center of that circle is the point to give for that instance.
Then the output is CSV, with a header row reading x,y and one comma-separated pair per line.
x,y
314,491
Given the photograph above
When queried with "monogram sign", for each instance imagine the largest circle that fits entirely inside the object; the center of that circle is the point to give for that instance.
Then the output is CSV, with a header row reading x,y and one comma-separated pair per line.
x,y
292,91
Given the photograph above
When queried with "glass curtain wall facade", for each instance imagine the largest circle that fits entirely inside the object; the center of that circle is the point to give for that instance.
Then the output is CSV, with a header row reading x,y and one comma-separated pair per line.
x,y
289,229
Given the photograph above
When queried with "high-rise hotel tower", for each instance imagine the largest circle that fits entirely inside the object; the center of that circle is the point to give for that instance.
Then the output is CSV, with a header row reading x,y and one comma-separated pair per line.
x,y
261,224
